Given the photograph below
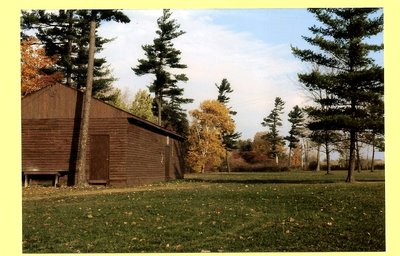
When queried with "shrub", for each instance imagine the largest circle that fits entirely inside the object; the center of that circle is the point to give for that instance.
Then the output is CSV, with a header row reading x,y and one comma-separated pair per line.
x,y
240,165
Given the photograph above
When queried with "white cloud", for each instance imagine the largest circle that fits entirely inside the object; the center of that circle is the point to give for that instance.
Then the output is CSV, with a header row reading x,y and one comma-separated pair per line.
x,y
257,71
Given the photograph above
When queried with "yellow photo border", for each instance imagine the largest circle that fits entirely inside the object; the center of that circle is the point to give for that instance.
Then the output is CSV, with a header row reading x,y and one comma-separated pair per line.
x,y
10,150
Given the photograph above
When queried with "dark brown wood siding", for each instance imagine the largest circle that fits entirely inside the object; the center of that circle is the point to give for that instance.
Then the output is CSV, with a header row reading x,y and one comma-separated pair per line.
x,y
145,156
51,144
50,134
59,101
177,159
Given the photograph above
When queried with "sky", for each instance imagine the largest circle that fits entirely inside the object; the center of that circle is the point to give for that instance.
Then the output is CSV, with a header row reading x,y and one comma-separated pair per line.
x,y
249,47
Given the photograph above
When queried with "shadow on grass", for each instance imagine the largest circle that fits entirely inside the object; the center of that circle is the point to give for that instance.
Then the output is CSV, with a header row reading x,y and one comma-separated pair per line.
x,y
266,181
371,180
274,181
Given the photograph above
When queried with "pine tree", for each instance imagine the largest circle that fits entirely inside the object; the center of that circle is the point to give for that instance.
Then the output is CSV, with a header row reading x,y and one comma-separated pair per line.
x,y
223,90
94,17
274,121
353,78
161,59
229,139
296,118
375,135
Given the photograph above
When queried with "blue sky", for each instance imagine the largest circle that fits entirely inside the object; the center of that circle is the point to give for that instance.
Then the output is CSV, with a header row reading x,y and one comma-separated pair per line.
x,y
249,47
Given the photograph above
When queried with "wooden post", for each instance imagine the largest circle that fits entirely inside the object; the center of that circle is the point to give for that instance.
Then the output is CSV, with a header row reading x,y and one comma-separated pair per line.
x,y
26,180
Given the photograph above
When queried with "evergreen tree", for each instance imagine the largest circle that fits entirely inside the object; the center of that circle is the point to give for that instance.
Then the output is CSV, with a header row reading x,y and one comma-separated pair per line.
x,y
274,121
161,59
174,116
353,78
375,135
65,33
223,90
296,118
327,139
229,138
318,122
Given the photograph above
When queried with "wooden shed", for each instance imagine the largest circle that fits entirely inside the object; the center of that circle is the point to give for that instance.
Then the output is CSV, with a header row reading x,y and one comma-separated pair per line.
x,y
123,149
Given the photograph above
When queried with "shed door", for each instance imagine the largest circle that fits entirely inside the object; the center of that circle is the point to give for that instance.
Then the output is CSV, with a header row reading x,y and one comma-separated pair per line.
x,y
99,159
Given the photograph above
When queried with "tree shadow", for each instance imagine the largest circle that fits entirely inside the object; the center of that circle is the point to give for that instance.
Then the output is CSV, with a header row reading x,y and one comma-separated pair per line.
x,y
263,181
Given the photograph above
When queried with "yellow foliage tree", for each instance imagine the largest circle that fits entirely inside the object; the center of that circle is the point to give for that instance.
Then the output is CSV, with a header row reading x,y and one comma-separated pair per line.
x,y
33,61
296,157
260,145
205,135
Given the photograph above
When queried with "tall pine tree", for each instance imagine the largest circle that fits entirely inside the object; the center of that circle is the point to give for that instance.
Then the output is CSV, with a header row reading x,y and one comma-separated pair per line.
x,y
161,59
274,121
353,79
296,118
229,138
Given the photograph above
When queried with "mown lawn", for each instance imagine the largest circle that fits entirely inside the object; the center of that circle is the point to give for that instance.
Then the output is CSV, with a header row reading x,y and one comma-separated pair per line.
x,y
293,211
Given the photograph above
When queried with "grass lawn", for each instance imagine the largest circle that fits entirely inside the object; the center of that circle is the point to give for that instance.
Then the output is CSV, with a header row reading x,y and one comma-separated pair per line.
x,y
238,212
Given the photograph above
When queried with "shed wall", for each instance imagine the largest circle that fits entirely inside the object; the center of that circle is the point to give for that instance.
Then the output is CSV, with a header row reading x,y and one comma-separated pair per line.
x,y
63,102
51,144
145,156
50,134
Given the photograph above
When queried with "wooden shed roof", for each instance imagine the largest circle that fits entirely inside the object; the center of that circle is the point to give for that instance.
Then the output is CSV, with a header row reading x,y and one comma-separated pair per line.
x,y
60,101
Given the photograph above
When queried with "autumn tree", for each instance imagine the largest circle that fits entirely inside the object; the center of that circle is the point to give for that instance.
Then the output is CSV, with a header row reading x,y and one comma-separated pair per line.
x,y
205,139
260,145
161,60
296,119
274,121
34,62
141,106
340,46
65,33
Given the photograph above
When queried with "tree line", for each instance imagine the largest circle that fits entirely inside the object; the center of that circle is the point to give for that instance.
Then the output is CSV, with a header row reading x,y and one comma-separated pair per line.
x,y
345,83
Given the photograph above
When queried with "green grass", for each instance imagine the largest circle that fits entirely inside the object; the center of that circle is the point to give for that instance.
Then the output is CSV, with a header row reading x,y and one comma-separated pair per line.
x,y
293,211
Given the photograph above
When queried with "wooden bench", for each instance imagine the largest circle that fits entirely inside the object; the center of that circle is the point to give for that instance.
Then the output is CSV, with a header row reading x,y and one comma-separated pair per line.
x,y
55,173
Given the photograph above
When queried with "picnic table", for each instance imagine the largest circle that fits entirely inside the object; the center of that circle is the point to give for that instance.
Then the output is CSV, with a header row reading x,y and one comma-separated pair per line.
x,y
55,173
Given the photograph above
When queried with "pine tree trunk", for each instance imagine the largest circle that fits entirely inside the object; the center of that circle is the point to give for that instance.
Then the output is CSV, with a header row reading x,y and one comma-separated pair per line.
x,y
317,169
328,159
159,106
84,131
350,175
302,155
290,156
358,157
69,53
373,154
